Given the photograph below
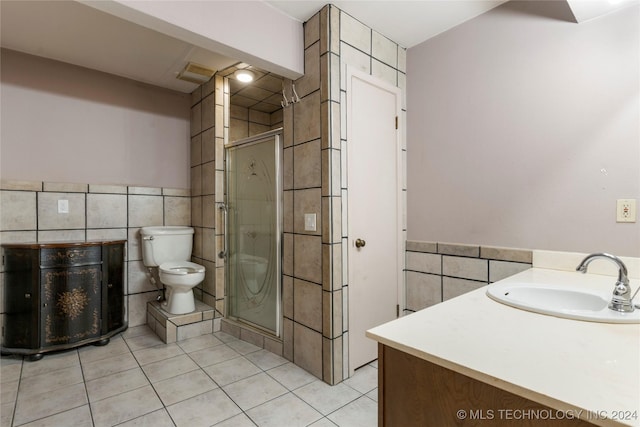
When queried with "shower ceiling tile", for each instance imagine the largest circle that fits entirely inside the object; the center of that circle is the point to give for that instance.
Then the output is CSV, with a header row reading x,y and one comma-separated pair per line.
x,y
241,101
266,107
255,93
270,82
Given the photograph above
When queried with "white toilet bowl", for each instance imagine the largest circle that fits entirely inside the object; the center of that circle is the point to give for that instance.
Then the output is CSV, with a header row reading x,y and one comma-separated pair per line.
x,y
180,277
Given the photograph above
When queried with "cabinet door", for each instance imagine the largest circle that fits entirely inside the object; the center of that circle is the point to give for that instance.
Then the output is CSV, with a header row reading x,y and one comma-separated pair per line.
x,y
113,287
71,304
22,299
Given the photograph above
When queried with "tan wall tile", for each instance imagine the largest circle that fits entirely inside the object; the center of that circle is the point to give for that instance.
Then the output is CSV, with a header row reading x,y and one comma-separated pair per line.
x,y
307,349
465,268
18,210
50,219
307,162
106,210
452,288
307,304
422,290
308,258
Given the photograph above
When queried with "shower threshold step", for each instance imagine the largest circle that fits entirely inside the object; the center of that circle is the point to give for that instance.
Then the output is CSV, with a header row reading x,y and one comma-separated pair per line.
x,y
177,327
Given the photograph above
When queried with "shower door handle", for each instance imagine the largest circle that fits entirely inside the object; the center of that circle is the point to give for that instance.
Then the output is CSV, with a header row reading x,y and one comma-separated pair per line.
x,y
223,207
360,243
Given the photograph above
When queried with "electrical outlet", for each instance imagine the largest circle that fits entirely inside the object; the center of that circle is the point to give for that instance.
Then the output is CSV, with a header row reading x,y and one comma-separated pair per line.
x,y
626,210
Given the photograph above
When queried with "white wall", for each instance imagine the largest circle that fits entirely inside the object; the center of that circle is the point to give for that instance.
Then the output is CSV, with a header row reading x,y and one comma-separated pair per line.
x,y
523,130
63,123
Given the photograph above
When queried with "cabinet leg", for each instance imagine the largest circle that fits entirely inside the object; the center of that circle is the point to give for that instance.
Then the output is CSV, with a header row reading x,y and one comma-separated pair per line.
x,y
34,357
102,342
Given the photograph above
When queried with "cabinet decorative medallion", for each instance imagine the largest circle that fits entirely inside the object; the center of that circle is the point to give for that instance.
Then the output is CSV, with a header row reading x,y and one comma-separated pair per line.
x,y
72,303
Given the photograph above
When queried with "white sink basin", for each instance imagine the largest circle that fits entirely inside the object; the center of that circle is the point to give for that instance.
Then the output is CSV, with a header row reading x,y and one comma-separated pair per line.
x,y
560,301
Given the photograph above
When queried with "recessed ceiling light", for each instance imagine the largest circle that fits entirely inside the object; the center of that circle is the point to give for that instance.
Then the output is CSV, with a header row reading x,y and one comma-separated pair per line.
x,y
244,76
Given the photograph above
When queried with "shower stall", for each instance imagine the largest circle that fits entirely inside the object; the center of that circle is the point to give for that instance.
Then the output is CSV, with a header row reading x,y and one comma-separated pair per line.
x,y
253,231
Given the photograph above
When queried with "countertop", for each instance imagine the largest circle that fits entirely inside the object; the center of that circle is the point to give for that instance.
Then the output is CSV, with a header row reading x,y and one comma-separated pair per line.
x,y
589,369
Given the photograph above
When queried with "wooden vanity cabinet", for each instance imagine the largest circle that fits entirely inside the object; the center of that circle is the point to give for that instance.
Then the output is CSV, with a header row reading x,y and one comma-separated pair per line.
x,y
62,295
413,392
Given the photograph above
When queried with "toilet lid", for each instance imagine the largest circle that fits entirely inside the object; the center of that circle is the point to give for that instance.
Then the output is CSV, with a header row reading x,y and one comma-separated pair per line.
x,y
181,267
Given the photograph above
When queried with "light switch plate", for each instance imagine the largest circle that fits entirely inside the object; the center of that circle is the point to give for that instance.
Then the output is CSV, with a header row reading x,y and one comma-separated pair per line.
x,y
310,222
63,206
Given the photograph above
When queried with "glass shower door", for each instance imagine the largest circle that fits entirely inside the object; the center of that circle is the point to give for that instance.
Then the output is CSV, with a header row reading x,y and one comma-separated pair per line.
x,y
253,231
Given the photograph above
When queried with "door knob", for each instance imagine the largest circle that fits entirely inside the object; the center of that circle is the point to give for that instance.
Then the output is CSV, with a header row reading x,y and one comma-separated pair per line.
x,y
360,243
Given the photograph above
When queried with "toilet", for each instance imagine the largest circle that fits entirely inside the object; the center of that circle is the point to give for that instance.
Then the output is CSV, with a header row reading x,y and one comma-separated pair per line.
x,y
169,249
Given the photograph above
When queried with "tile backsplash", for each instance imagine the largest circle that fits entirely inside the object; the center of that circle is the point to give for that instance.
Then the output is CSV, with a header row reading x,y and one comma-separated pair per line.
x,y
436,272
96,212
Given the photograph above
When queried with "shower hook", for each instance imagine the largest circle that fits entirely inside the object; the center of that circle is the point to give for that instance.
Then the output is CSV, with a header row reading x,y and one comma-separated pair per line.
x,y
295,98
284,101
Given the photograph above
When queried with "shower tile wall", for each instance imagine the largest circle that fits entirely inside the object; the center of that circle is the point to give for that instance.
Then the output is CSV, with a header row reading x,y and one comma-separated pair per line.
x,y
315,331
209,130
96,212
315,266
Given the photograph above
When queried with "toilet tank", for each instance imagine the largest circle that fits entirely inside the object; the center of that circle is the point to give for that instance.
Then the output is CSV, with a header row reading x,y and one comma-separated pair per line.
x,y
167,243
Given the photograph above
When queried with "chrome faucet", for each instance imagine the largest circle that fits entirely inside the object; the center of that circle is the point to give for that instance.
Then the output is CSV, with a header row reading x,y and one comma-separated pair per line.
x,y
622,299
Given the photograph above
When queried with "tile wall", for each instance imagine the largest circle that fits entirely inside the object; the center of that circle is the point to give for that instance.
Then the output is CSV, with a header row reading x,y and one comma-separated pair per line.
x,y
96,212
315,331
209,130
315,266
436,272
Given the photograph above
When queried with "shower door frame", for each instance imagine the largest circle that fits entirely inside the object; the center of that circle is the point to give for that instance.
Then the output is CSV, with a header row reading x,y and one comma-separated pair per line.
x,y
279,158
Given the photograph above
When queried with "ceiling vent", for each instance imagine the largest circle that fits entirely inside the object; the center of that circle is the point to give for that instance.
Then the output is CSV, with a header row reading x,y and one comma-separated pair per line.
x,y
195,73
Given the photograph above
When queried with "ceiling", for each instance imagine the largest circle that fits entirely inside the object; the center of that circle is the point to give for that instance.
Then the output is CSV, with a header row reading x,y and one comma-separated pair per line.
x,y
113,45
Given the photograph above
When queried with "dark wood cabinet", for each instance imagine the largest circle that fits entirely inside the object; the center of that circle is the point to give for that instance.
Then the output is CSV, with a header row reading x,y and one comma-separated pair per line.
x,y
413,392
62,295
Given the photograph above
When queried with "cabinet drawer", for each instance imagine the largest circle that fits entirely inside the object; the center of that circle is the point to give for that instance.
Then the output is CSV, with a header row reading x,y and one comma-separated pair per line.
x,y
69,256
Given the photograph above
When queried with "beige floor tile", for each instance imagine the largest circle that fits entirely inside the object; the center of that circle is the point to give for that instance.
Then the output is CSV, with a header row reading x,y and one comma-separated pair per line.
x,y
291,376
287,410
149,339
326,398
43,405
183,387
243,347
160,352
362,412
163,369
213,355
112,365
159,418
91,353
203,410
266,360
112,385
240,420
124,407
10,369
50,362
364,380
199,343
77,417
254,391
50,381
231,371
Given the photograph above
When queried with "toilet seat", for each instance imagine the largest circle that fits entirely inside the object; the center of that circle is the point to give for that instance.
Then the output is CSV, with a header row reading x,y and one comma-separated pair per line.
x,y
181,268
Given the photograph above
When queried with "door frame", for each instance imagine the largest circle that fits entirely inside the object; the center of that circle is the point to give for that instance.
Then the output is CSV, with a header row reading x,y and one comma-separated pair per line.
x,y
278,136
353,73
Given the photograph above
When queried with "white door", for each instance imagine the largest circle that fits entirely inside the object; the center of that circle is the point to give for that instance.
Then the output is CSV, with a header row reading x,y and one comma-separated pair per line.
x,y
374,210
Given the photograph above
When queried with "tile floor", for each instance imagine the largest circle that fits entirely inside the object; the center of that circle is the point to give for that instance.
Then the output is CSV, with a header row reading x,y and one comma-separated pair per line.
x,y
211,380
